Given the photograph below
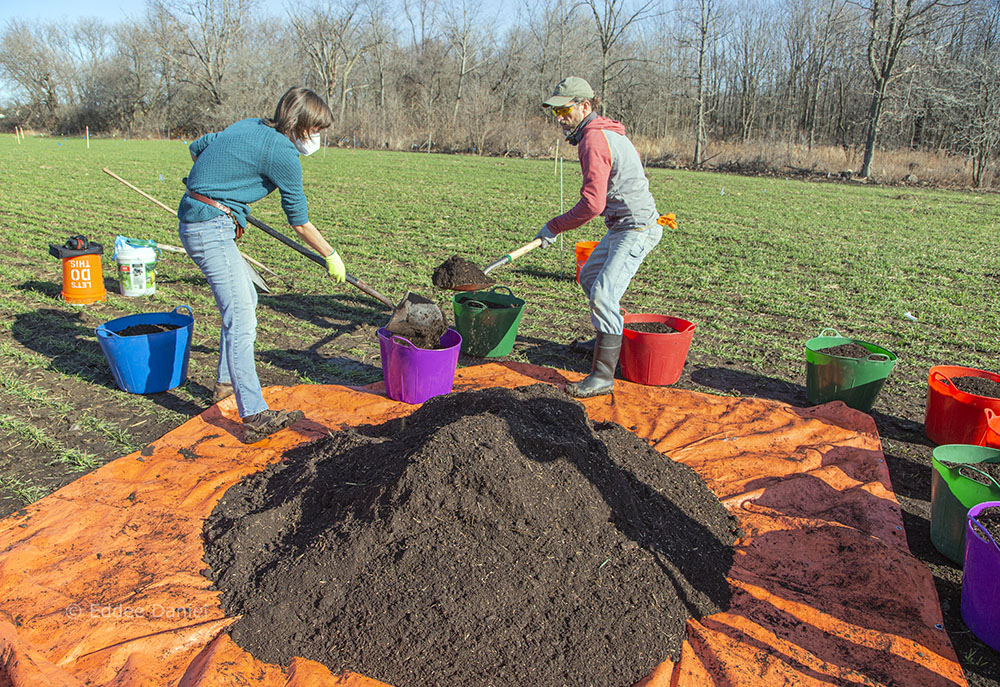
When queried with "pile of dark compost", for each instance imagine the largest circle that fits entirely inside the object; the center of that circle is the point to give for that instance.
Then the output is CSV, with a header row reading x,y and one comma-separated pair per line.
x,y
457,271
847,350
492,537
979,386
146,329
651,327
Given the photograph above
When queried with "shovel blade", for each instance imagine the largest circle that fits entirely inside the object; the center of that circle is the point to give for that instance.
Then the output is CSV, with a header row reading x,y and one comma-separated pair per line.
x,y
418,319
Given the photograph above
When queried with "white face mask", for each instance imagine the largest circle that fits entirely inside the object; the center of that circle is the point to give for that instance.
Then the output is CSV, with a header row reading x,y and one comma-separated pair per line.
x,y
308,146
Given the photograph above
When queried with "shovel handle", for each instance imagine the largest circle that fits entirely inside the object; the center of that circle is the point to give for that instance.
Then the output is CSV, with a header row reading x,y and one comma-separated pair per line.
x,y
513,255
318,259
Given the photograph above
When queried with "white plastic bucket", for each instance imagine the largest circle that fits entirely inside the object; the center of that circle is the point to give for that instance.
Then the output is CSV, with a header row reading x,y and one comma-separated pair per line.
x,y
136,270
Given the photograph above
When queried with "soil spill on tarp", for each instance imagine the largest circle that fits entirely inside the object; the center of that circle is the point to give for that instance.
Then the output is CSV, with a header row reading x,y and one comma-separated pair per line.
x,y
492,537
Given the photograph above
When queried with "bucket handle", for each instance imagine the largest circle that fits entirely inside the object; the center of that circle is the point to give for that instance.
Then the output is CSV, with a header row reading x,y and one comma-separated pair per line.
x,y
501,286
190,312
972,466
101,329
474,305
401,341
991,424
878,358
984,531
829,331
946,380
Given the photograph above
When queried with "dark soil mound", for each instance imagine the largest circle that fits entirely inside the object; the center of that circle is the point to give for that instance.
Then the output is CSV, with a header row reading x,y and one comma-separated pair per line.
x,y
492,537
651,327
457,271
979,386
145,329
847,350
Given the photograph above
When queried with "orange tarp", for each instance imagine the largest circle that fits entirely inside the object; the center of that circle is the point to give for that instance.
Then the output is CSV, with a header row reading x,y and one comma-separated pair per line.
x,y
101,581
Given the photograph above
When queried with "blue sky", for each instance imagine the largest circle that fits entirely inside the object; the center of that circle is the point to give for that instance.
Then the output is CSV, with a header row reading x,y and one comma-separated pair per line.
x,y
107,10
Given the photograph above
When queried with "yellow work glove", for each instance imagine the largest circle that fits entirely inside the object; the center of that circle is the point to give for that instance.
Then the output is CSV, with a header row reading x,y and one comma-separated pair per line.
x,y
335,267
667,220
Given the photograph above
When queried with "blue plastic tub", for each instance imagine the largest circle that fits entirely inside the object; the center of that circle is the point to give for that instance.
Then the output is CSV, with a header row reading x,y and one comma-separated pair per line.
x,y
148,363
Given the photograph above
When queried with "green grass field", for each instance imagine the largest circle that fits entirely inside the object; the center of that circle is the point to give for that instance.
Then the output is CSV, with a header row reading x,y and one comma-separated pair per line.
x,y
761,265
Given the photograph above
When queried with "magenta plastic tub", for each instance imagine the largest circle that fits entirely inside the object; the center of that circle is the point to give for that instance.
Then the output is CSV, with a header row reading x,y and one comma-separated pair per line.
x,y
412,374
981,580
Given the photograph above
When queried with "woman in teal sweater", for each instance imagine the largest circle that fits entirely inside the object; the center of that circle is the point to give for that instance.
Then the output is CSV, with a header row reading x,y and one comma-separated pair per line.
x,y
232,169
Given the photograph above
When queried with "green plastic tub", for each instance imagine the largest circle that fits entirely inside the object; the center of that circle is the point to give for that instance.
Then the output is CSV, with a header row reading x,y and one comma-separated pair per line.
x,y
488,321
855,381
953,494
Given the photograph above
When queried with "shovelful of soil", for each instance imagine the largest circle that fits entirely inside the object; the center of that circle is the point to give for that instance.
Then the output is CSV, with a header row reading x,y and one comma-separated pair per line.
x,y
456,272
493,537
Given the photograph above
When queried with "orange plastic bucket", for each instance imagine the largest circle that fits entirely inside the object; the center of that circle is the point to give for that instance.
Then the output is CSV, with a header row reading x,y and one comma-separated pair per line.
x,y
83,279
583,249
655,358
954,416
992,436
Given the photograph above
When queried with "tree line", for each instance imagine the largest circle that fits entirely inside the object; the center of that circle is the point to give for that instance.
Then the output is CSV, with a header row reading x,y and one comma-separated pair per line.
x,y
462,75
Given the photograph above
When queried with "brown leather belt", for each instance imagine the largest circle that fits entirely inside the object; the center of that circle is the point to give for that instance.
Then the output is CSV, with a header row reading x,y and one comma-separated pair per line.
x,y
218,206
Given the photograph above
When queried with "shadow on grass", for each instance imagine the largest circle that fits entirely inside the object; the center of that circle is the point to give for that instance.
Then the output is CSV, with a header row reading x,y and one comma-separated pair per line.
x,y
340,311
739,383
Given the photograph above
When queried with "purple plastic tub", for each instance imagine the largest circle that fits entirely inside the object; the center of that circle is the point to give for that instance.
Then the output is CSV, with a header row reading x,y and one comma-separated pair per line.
x,y
981,580
412,374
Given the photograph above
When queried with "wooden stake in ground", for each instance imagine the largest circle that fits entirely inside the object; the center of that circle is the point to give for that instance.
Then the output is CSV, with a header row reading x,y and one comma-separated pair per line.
x,y
87,133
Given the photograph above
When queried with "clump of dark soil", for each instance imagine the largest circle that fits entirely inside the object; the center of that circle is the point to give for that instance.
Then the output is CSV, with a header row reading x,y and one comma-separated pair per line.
x,y
847,350
651,327
456,272
145,329
491,537
979,386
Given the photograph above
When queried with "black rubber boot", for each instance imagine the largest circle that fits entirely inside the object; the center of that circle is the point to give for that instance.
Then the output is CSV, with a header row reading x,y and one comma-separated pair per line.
x,y
583,347
267,422
601,379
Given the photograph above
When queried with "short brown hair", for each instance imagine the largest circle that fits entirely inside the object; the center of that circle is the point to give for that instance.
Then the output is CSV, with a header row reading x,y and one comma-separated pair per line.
x,y
299,112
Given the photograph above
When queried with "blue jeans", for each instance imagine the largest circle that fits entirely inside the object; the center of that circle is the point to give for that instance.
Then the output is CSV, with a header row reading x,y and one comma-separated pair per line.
x,y
212,246
609,270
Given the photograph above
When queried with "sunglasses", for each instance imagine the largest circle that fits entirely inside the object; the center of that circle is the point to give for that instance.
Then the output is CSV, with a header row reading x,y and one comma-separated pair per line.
x,y
563,111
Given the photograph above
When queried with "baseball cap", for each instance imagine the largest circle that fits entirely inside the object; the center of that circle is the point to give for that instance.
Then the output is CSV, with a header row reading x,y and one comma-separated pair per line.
x,y
569,89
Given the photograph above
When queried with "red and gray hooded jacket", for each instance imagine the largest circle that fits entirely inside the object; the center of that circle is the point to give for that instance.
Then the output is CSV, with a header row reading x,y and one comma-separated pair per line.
x,y
614,183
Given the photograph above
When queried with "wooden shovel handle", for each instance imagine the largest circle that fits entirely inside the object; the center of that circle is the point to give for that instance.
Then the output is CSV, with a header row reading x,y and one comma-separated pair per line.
x,y
513,255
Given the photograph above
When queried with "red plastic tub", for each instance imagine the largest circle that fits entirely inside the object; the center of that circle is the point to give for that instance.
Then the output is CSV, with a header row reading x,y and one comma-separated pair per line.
x,y
653,358
954,416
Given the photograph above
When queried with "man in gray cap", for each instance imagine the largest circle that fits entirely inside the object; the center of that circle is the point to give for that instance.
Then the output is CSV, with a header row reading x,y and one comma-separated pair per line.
x,y
615,186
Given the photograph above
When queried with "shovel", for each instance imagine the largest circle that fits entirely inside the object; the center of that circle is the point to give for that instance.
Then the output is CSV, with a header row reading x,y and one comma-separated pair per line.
x,y
255,276
415,315
510,257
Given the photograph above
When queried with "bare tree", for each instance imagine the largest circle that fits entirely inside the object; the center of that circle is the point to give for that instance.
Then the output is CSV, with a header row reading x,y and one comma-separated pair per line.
x,y
891,24
468,38
209,32
704,17
27,61
612,21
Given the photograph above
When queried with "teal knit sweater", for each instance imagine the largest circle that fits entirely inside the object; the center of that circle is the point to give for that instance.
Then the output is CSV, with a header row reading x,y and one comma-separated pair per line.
x,y
240,165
